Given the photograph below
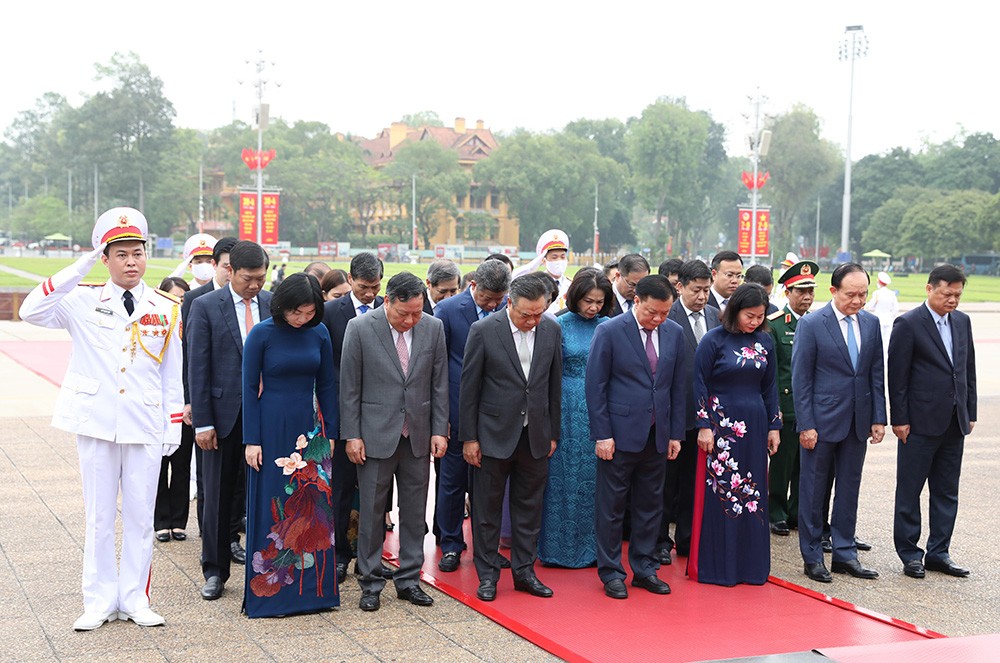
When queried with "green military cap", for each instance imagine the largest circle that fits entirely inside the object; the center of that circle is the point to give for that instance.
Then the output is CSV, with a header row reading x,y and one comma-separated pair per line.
x,y
800,275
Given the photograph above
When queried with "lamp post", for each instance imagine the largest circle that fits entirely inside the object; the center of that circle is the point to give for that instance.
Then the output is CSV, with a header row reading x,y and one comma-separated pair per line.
x,y
851,48
262,112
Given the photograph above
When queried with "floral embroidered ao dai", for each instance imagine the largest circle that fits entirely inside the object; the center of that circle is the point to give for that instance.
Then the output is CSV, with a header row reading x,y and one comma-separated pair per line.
x,y
737,399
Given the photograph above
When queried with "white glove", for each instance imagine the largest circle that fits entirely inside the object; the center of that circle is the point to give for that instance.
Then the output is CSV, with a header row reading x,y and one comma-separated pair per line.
x,y
169,449
86,262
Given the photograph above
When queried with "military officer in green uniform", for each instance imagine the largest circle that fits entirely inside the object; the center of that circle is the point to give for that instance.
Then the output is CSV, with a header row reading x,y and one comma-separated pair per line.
x,y
783,481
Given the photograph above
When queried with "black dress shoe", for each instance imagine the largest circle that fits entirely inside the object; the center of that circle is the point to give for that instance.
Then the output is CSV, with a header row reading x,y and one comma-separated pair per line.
x,y
532,585
853,567
651,584
212,589
341,572
827,545
780,528
947,566
381,572
818,572
663,556
370,601
504,562
237,553
449,562
179,535
862,545
616,589
914,569
163,535
415,595
487,590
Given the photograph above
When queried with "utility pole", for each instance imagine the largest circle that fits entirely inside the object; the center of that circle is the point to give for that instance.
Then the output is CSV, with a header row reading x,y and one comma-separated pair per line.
x,y
850,50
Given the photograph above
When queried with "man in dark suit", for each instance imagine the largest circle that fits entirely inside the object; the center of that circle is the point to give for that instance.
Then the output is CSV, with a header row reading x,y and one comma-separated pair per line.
x,y
511,403
695,318
839,394
636,399
727,275
932,398
443,281
799,281
365,279
485,295
218,325
632,268
393,412
220,260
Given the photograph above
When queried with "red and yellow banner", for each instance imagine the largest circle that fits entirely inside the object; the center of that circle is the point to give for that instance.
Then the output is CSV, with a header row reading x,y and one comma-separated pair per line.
x,y
745,228
270,205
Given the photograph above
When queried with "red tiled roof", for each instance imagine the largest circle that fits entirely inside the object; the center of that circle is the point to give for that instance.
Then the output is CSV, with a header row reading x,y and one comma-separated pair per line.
x,y
472,146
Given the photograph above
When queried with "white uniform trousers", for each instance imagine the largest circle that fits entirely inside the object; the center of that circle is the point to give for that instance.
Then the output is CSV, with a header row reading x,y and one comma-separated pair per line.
x,y
104,466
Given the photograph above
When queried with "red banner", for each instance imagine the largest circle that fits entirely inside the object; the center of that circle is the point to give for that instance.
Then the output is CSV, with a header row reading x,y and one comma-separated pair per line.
x,y
745,228
248,215
269,217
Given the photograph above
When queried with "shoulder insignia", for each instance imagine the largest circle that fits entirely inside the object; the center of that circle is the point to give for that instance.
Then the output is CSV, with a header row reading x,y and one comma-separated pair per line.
x,y
788,318
775,316
91,284
175,300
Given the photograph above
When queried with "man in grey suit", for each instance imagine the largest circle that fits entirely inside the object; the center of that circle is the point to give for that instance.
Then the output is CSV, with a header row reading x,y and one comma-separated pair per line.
x,y
393,412
510,401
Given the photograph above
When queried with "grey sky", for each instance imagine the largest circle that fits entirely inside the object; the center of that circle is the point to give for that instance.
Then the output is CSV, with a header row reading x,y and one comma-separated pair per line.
x,y
536,65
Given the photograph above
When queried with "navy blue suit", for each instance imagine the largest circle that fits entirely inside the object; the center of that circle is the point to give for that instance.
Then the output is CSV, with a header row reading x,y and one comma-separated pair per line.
x,y
936,396
458,313
841,404
641,411
215,368
344,478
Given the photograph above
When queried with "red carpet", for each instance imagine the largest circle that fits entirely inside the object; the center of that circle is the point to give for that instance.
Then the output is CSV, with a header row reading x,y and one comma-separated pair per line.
x,y
694,623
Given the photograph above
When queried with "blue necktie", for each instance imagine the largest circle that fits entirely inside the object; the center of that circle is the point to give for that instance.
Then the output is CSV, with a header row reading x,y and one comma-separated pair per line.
x,y
852,343
483,313
363,308
945,332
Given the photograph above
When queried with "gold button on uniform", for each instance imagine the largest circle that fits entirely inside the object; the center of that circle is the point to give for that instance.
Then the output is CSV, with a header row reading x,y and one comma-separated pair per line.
x,y
121,391
123,369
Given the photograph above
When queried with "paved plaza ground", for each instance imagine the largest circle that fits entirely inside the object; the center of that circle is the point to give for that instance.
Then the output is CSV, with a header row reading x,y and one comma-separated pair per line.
x,y
41,542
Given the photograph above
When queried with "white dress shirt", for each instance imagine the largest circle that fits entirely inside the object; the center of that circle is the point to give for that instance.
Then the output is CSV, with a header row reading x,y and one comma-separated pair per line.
x,y
855,326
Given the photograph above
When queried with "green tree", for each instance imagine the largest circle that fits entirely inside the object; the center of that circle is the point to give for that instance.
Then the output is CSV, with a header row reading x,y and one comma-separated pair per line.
x,y
972,164
439,180
427,118
173,199
920,232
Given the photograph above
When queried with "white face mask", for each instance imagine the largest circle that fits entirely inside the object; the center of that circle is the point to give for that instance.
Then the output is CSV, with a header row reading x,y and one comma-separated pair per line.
x,y
203,271
556,267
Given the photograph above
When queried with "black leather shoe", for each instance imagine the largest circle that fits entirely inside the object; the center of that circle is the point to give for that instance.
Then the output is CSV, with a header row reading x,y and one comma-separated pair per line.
x,y
663,556
415,595
163,535
948,567
853,567
504,562
827,545
616,589
818,572
212,589
532,585
450,561
651,584
780,528
370,601
862,545
914,569
341,572
179,535
487,590
383,571
237,553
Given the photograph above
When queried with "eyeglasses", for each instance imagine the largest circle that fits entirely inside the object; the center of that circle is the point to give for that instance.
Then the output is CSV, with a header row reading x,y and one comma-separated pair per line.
x,y
733,276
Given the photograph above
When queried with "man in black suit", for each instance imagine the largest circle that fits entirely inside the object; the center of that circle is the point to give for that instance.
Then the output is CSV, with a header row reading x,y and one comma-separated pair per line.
x,y
727,275
932,398
632,268
220,260
217,328
443,281
695,317
365,278
511,403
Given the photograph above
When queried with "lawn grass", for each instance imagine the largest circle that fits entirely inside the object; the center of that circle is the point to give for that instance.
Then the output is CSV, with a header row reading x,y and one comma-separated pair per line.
x,y
910,287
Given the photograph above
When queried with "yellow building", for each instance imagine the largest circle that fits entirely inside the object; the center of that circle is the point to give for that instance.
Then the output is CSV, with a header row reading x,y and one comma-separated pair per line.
x,y
482,217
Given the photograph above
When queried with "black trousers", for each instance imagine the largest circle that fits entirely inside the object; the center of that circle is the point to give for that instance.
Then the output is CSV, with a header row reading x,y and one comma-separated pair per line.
x,y
223,472
343,486
173,494
239,506
678,496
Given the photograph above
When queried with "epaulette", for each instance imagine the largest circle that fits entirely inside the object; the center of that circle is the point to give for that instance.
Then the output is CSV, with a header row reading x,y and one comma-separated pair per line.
x,y
174,299
91,284
777,314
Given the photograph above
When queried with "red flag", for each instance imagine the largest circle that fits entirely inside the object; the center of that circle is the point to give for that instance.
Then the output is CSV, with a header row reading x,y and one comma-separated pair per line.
x,y
265,158
250,158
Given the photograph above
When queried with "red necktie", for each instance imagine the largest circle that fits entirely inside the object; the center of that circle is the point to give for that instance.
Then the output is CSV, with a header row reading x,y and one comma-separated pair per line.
x,y
404,363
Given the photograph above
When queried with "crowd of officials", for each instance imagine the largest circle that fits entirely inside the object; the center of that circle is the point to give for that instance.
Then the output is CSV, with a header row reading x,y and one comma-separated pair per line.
x,y
692,413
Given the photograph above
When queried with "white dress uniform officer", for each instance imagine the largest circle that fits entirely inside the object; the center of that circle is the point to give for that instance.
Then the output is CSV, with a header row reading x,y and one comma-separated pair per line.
x,y
552,251
122,396
198,255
